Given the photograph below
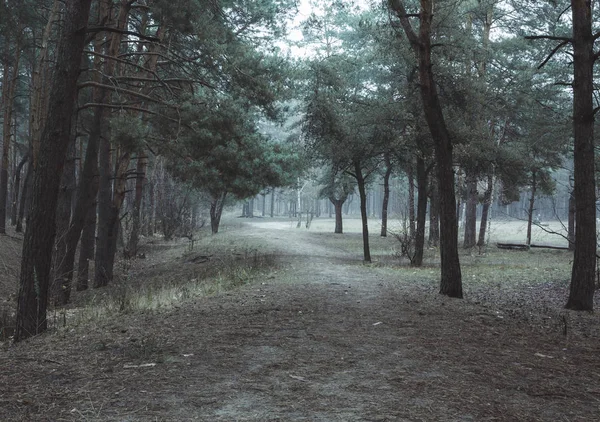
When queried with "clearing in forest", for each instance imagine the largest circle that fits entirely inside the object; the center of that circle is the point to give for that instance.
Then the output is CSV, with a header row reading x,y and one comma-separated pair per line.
x,y
310,333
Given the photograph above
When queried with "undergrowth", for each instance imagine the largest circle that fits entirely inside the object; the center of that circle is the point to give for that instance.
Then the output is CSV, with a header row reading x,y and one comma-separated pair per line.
x,y
128,295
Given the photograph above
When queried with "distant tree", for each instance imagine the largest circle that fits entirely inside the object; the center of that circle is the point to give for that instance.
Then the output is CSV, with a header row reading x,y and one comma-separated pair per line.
x,y
337,186
225,154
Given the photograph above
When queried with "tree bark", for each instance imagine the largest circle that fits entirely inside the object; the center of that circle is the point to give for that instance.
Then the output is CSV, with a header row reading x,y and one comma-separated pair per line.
x,y
40,229
581,294
451,277
360,181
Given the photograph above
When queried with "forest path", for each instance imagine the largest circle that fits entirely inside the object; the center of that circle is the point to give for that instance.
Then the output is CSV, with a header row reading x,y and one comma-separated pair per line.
x,y
325,338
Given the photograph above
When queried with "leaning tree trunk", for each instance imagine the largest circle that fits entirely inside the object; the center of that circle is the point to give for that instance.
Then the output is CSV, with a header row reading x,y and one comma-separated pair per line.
x,y
451,277
360,181
581,294
40,230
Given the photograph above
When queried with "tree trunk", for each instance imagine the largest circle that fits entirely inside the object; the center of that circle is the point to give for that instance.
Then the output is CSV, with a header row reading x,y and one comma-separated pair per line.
x,y
40,229
386,196
26,194
110,197
434,214
360,181
419,238
251,208
88,180
86,249
108,214
151,223
471,212
411,200
581,294
572,222
487,202
338,205
142,163
451,278
216,209
9,85
17,189
61,288
530,208
272,202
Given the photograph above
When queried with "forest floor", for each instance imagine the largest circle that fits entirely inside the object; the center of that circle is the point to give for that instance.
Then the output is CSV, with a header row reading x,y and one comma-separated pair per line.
x,y
267,322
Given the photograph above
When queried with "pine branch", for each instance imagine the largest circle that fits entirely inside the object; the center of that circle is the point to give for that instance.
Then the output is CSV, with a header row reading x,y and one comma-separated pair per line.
x,y
119,90
548,37
96,29
564,42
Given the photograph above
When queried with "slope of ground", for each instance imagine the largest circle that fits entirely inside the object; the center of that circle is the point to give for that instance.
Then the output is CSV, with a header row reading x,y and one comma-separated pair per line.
x,y
322,337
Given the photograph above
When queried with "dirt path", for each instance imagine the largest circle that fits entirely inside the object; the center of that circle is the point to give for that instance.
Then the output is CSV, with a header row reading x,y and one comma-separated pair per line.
x,y
329,339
